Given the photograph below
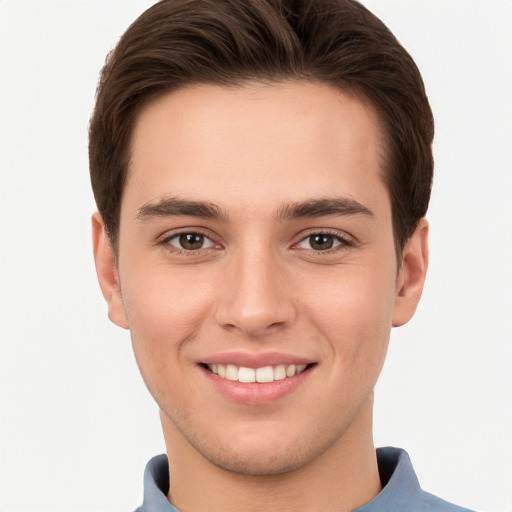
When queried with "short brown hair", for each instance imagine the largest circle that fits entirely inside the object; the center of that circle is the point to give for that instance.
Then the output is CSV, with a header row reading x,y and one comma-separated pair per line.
x,y
229,42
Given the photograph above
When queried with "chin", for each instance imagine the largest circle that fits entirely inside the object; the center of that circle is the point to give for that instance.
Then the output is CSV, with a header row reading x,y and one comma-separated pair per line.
x,y
258,454
262,462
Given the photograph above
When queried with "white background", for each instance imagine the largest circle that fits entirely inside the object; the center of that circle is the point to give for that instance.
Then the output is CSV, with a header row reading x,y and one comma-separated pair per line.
x,y
76,423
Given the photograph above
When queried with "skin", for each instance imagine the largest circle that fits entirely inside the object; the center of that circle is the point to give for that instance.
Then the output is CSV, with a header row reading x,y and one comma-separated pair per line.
x,y
259,286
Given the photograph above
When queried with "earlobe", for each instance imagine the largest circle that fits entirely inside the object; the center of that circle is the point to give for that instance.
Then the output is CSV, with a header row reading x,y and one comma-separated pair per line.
x,y
106,271
411,277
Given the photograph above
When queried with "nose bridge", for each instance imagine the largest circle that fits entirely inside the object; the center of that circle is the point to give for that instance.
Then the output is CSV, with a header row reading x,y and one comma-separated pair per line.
x,y
256,296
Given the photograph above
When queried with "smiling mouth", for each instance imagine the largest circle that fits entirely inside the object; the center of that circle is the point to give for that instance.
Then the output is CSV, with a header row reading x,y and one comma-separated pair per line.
x,y
262,375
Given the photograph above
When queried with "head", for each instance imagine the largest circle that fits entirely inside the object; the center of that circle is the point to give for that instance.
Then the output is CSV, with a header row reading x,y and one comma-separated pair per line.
x,y
258,165
337,42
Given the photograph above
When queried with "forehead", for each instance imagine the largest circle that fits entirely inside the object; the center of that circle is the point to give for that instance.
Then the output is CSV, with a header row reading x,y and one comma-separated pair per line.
x,y
256,145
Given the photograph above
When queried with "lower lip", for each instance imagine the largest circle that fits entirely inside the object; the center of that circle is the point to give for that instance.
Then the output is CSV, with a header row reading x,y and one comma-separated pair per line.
x,y
256,393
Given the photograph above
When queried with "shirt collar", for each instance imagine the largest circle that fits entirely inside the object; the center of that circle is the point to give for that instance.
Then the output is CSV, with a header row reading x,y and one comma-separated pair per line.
x,y
401,490
156,486
400,486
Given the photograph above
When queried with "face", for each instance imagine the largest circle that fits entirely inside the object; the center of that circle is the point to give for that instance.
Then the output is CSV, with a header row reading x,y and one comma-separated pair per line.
x,y
257,272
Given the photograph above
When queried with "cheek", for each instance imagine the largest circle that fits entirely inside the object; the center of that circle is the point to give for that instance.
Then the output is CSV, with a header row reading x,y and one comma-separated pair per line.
x,y
165,308
353,311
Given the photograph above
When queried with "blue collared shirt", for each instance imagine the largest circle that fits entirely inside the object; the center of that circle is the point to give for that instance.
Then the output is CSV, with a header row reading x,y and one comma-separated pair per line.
x,y
401,490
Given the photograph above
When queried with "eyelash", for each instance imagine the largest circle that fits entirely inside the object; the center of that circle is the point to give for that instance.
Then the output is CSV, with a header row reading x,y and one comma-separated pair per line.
x,y
165,242
345,242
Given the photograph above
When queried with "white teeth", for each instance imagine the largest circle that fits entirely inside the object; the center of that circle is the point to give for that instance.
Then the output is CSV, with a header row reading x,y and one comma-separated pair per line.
x,y
263,374
280,372
246,374
231,372
290,371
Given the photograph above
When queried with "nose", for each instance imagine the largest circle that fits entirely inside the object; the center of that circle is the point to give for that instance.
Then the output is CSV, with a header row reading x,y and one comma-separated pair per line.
x,y
257,295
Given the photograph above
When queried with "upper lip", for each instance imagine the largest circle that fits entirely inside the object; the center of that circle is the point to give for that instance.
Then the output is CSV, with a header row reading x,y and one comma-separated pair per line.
x,y
255,359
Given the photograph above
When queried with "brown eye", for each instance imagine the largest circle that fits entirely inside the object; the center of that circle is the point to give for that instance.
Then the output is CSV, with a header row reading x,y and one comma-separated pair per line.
x,y
190,241
321,242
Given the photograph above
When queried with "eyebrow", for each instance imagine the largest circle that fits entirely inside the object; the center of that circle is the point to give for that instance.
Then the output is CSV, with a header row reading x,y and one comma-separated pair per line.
x,y
322,207
175,206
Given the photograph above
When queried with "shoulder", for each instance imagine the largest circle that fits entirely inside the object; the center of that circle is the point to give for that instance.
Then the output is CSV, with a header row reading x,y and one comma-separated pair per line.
x,y
431,503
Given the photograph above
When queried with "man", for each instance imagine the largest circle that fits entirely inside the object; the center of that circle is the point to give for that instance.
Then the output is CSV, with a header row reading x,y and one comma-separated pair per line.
x,y
262,171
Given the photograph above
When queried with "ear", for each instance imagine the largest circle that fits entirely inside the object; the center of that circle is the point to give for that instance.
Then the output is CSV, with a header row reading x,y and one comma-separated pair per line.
x,y
106,271
411,276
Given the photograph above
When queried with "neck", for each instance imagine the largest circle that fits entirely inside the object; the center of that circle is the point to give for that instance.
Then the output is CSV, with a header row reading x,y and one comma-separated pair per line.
x,y
341,479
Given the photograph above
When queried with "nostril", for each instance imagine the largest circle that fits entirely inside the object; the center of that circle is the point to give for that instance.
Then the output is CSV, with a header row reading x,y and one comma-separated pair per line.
x,y
276,324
